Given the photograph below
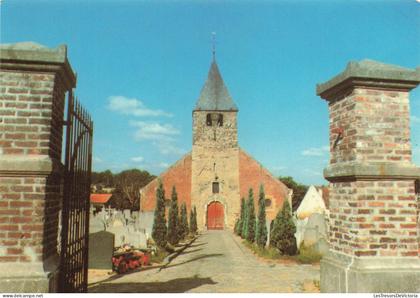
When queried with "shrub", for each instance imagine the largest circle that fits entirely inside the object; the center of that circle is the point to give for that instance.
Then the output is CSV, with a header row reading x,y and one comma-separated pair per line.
x,y
244,226
264,252
193,221
173,219
251,221
159,221
261,234
308,255
282,234
183,226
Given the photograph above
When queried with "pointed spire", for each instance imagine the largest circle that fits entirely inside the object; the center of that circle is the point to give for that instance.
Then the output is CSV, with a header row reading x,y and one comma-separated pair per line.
x,y
214,96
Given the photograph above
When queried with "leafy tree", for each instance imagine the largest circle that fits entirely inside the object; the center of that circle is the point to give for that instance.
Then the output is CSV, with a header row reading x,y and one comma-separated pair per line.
x,y
103,179
299,190
282,234
159,222
173,219
250,221
261,237
193,221
183,226
127,185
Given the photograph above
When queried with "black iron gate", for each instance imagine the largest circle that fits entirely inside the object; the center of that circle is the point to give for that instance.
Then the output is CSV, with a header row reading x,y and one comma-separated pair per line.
x,y
75,210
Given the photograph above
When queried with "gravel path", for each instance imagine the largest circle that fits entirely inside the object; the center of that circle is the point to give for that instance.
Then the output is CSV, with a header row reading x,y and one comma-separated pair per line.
x,y
217,262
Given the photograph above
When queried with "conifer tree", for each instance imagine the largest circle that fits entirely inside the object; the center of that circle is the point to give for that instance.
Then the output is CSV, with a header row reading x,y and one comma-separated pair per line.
x,y
244,227
159,221
235,229
183,226
261,235
173,219
241,218
250,222
193,221
282,234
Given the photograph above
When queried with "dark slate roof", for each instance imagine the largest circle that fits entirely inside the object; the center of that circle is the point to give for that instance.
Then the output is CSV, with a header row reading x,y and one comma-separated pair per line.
x,y
214,96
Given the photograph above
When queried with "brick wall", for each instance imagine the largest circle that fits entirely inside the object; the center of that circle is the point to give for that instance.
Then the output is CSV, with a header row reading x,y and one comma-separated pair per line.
x,y
375,126
373,207
31,125
251,175
26,205
374,218
178,175
32,98
26,107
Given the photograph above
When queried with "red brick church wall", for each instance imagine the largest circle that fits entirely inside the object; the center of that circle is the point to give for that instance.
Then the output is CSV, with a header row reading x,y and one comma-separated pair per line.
x,y
178,175
251,175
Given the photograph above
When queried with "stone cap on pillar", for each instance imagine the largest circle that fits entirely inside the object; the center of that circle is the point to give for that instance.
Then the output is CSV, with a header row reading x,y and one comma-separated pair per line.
x,y
371,171
370,74
31,56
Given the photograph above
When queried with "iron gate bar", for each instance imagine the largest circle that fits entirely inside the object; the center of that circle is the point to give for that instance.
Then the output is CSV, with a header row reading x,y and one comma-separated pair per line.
x,y
75,215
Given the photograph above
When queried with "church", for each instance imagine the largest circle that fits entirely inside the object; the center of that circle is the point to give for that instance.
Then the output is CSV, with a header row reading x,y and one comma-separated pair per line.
x,y
217,173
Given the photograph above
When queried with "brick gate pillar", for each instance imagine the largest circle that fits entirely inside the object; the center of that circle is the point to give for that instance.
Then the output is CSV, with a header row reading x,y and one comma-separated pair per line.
x,y
34,80
373,208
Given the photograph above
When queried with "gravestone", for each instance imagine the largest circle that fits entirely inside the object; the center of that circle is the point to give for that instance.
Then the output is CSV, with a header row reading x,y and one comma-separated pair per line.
x,y
315,229
101,248
137,239
96,224
145,221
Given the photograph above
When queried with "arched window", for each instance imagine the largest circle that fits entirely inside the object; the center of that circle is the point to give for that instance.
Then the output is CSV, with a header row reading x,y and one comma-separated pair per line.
x,y
268,202
220,120
213,119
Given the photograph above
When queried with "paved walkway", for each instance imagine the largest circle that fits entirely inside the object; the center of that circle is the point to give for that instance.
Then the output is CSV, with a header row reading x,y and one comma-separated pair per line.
x,y
216,262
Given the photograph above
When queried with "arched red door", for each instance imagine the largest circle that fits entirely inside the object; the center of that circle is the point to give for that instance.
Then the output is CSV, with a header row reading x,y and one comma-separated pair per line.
x,y
215,216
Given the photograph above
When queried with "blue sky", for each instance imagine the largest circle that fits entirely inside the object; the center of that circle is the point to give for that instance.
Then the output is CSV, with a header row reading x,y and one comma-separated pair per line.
x,y
141,66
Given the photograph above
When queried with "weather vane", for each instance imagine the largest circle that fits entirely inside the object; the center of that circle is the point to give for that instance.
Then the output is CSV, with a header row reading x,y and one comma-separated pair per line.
x,y
213,39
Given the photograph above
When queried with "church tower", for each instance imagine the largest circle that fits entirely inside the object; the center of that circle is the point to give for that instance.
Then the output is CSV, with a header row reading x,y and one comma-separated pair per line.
x,y
215,155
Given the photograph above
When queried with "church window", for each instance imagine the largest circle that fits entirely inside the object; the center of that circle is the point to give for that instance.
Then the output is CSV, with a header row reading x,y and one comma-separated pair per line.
x,y
268,202
213,119
215,187
220,120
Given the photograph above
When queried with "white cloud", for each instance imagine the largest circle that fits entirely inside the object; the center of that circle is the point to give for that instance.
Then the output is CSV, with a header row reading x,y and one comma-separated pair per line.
x,y
163,165
277,169
167,147
312,172
415,119
161,135
153,131
320,151
132,106
97,159
137,159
